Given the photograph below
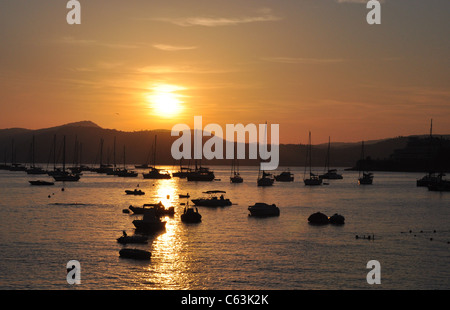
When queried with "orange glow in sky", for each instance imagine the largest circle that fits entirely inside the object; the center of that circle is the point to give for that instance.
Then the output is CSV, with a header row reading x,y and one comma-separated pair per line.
x,y
305,65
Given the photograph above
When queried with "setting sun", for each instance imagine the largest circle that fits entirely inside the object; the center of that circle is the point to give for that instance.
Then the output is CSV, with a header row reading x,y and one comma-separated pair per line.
x,y
164,100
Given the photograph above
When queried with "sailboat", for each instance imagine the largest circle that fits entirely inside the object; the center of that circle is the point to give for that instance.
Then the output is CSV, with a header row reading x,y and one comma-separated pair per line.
x,y
63,175
331,174
431,177
182,173
125,173
155,173
367,177
33,169
313,178
235,176
264,178
200,174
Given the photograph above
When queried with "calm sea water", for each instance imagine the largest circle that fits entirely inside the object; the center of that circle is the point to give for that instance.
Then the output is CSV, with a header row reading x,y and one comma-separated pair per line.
x,y
228,249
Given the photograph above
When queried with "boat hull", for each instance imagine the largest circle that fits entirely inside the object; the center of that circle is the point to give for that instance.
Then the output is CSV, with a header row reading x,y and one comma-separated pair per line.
x,y
135,254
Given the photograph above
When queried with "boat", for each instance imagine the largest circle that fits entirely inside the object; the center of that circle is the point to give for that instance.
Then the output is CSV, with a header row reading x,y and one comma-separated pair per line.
x,y
285,176
261,209
337,219
135,254
63,175
41,183
318,218
124,239
200,174
157,207
150,223
431,177
235,176
156,173
440,186
125,173
182,173
191,215
330,174
428,179
367,177
266,179
313,179
213,200
184,196
134,192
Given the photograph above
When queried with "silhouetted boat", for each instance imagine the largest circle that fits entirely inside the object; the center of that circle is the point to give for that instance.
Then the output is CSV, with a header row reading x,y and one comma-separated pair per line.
x,y
266,179
318,218
285,176
135,254
184,196
235,176
156,173
63,175
182,173
313,178
158,208
441,185
261,209
191,215
331,174
134,192
200,174
213,200
41,183
150,222
132,239
367,177
337,219
125,173
428,179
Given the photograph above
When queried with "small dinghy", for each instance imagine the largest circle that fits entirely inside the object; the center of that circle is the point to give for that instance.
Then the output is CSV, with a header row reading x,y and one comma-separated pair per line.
x,y
135,254
318,219
261,209
132,239
134,192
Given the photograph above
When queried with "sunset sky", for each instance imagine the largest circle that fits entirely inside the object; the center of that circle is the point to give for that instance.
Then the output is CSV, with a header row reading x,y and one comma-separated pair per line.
x,y
307,65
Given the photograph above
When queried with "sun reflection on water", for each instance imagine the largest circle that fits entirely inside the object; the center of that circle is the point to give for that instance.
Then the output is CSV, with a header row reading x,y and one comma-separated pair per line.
x,y
168,267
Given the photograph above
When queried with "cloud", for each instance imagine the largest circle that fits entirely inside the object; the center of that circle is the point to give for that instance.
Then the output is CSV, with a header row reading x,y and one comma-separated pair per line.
x,y
181,69
265,15
305,61
173,48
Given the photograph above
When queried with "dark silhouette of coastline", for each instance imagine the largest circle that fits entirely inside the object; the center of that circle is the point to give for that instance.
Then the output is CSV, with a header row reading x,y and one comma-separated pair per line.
x,y
407,154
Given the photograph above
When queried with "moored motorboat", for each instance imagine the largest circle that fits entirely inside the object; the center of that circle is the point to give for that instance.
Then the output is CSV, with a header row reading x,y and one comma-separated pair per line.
x,y
135,254
159,209
41,183
261,209
132,239
318,218
337,219
191,216
150,222
134,192
285,176
213,200
266,179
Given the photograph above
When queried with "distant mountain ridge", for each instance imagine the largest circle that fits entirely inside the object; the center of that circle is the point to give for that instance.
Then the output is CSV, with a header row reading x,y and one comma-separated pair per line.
x,y
83,140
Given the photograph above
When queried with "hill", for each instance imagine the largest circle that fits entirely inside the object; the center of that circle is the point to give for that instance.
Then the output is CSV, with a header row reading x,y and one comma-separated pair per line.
x,y
92,144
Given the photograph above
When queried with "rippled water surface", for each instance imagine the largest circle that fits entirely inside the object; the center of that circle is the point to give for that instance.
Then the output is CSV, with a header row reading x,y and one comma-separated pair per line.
x,y
42,228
